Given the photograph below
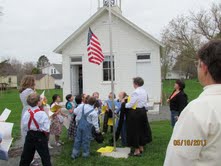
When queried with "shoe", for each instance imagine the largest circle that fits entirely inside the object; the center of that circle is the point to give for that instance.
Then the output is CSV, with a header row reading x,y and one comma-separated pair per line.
x,y
135,155
57,143
62,143
35,163
49,146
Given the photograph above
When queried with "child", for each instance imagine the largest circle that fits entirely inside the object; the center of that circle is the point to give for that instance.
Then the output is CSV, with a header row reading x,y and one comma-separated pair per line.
x,y
121,126
36,123
57,120
108,114
86,118
70,107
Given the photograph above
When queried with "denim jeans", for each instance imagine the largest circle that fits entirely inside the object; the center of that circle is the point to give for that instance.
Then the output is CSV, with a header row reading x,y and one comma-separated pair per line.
x,y
174,114
83,140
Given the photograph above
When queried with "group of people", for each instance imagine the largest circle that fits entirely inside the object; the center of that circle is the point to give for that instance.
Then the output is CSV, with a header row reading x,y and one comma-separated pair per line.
x,y
86,114
196,138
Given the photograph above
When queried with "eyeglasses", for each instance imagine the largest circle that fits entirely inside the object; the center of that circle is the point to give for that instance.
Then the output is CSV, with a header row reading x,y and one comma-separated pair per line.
x,y
196,63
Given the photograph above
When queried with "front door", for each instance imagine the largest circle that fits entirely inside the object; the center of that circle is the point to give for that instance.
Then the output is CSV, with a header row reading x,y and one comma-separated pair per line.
x,y
76,79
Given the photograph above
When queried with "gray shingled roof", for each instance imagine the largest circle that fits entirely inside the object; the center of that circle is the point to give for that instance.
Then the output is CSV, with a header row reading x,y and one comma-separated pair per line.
x,y
58,67
57,76
39,76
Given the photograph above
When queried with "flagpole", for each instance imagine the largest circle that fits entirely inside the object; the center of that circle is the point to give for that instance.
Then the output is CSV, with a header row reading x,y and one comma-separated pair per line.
x,y
112,73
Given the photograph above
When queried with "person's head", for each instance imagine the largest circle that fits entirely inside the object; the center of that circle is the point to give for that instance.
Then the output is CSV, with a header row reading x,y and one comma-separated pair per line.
x,y
34,100
122,95
69,97
179,85
86,99
110,95
91,100
78,99
96,95
209,63
138,82
83,96
27,81
56,98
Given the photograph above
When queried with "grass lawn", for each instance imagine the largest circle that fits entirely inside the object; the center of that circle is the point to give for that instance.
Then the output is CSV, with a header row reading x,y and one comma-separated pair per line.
x,y
155,151
153,156
193,89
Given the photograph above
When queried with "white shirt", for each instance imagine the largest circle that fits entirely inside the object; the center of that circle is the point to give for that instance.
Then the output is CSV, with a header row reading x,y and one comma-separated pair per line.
x,y
139,97
200,120
92,118
41,117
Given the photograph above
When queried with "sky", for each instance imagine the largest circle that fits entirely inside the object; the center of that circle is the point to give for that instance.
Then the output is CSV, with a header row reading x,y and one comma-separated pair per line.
x,y
31,28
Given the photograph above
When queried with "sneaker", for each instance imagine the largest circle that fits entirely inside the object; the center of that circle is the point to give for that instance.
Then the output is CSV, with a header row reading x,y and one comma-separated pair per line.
x,y
49,146
57,144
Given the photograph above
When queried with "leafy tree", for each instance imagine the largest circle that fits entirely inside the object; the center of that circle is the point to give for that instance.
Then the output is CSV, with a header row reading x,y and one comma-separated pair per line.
x,y
42,62
36,71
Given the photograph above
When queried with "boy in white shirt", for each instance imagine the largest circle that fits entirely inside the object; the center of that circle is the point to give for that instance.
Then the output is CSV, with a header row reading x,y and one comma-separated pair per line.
x,y
37,125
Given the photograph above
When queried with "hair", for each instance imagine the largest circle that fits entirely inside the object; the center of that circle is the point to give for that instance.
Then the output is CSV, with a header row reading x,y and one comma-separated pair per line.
x,y
95,93
54,98
181,84
27,81
111,95
78,99
91,100
86,99
210,55
124,94
138,81
68,97
33,99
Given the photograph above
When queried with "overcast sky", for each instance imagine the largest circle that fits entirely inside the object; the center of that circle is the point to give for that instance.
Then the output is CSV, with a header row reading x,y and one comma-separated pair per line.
x,y
30,28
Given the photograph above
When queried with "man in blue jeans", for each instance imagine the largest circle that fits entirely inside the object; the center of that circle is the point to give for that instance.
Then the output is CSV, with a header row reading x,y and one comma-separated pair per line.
x,y
86,117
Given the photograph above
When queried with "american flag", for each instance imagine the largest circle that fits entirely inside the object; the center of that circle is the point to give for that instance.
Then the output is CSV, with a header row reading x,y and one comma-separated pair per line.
x,y
95,54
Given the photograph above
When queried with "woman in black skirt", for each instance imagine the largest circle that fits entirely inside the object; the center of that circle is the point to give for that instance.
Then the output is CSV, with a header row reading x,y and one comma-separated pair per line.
x,y
138,129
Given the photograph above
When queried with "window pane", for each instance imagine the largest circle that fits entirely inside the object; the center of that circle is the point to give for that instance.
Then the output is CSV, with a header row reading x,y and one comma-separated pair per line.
x,y
105,75
105,65
143,57
107,69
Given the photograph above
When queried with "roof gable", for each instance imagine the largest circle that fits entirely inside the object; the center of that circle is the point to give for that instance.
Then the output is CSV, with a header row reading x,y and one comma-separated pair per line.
x,y
92,19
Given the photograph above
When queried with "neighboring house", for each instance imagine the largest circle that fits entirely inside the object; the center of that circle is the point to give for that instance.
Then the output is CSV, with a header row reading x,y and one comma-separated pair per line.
x,y
55,70
173,75
58,80
8,76
136,53
52,69
44,81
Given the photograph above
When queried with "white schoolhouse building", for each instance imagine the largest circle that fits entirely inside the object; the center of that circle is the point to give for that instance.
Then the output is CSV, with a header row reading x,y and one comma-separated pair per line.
x,y
136,53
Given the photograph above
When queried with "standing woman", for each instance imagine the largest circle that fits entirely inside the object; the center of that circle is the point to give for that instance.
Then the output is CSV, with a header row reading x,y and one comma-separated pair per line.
x,y
177,100
27,87
138,128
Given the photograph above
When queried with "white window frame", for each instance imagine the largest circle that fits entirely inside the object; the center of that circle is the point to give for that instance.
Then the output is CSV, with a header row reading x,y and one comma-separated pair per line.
x,y
108,81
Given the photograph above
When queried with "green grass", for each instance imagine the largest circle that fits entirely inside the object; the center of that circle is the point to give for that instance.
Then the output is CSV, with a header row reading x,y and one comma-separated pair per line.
x,y
193,89
153,156
10,99
154,153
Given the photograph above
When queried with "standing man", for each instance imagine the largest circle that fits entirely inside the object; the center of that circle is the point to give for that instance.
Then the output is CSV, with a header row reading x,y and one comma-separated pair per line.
x,y
196,138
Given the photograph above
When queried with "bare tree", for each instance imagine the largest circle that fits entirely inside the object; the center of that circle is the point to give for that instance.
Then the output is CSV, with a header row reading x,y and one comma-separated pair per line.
x,y
184,35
